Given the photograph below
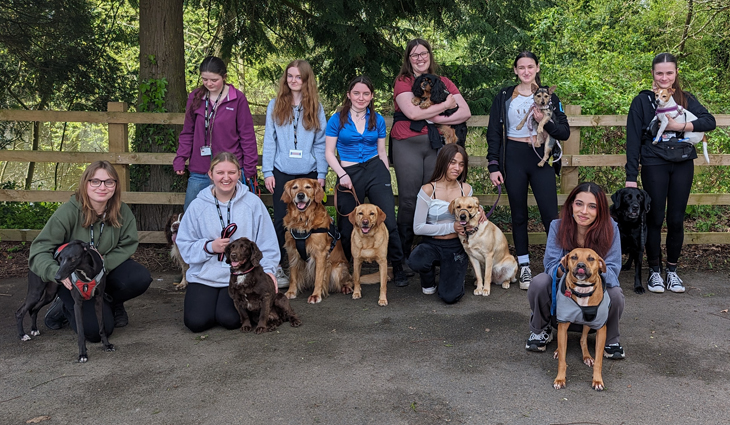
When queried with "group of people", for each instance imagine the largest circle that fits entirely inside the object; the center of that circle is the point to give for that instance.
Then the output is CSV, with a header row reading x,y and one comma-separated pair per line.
x,y
218,142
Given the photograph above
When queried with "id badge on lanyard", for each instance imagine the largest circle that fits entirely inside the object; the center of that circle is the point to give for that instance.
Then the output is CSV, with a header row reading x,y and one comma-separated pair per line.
x,y
209,117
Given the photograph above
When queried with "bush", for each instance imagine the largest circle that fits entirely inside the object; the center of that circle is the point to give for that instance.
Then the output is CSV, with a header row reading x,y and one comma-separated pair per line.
x,y
22,215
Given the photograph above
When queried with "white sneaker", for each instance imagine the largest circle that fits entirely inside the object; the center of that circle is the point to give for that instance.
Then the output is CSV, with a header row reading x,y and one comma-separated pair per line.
x,y
674,283
429,291
282,280
655,283
525,276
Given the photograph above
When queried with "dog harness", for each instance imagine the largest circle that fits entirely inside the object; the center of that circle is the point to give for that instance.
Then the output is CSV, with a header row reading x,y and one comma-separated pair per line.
x,y
87,289
301,238
568,311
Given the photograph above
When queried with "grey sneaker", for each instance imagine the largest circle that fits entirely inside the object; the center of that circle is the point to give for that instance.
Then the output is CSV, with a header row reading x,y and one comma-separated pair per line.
x,y
655,283
539,342
282,280
674,283
525,276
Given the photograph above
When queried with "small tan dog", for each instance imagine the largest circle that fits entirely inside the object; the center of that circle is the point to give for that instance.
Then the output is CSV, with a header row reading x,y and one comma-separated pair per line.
x,y
486,245
369,242
541,97
581,298
173,223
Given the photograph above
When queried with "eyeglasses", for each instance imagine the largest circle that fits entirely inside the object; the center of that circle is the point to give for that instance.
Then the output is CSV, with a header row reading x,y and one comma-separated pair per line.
x,y
422,55
107,183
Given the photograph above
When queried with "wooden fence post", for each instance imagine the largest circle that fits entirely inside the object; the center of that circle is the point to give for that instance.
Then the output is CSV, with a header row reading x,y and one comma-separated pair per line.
x,y
119,142
569,175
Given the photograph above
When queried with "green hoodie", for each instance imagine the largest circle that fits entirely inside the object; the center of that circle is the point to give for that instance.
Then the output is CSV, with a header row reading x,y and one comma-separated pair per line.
x,y
116,244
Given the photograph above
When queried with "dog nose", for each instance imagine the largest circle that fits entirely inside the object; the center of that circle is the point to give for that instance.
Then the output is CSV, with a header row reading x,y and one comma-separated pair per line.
x,y
300,195
366,222
581,265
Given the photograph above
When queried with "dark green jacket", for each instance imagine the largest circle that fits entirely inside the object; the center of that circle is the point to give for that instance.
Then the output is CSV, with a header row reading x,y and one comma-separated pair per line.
x,y
116,244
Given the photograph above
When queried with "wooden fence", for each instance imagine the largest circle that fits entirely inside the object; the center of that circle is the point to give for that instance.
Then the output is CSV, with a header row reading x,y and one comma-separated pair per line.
x,y
118,119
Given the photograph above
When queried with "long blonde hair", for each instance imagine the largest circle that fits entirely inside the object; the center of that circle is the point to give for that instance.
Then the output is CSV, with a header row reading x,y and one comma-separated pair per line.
x,y
113,215
283,113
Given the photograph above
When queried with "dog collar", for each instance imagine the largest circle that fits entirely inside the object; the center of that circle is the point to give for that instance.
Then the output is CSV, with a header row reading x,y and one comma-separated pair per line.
x,y
241,273
665,110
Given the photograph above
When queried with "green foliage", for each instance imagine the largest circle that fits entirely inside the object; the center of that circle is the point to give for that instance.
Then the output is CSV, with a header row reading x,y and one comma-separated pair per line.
x,y
21,215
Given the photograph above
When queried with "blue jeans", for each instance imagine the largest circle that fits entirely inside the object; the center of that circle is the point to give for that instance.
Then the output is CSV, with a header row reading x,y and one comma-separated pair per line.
x,y
196,183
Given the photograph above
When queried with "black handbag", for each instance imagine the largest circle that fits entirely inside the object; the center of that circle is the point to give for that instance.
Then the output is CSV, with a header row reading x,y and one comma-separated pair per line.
x,y
673,150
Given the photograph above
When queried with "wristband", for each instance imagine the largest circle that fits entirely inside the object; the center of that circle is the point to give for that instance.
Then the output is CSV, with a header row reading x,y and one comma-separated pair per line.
x,y
343,175
205,247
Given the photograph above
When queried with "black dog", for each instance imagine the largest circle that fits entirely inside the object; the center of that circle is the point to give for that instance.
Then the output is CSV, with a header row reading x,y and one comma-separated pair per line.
x,y
629,209
83,264
253,291
428,89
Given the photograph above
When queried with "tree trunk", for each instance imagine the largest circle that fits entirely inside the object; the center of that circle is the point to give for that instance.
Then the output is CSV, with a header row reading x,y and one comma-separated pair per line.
x,y
161,56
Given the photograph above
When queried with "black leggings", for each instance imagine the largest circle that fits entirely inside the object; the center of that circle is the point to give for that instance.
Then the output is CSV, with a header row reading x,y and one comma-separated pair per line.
x,y
129,280
452,258
657,181
372,180
521,169
206,306
280,207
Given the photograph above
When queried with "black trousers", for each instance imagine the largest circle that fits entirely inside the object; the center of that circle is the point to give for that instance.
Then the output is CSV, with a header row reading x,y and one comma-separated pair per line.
x,y
372,180
206,306
129,280
280,207
522,170
669,186
453,260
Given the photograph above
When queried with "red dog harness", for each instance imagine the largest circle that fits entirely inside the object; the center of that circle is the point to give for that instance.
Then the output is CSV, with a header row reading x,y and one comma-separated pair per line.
x,y
87,289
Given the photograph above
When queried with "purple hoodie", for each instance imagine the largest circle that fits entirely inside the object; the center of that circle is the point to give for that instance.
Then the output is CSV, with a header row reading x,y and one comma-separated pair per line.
x,y
232,132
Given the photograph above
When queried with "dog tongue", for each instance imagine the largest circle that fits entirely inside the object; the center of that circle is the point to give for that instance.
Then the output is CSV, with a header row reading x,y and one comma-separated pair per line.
x,y
463,223
235,263
365,229
581,271
301,205
174,236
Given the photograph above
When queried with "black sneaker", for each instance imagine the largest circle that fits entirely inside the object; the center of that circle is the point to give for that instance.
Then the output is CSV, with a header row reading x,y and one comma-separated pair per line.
x,y
614,352
539,342
121,319
525,276
399,276
54,318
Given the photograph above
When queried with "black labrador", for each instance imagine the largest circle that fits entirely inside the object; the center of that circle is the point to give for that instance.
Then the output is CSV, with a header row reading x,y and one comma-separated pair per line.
x,y
83,264
629,209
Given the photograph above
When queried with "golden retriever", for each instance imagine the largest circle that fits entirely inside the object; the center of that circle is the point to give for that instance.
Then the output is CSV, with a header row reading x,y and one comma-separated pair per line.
x,y
325,268
486,245
369,242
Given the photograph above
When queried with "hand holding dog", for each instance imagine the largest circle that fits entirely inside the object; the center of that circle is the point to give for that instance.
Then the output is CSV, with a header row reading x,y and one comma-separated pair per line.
x,y
537,113
219,245
67,283
673,125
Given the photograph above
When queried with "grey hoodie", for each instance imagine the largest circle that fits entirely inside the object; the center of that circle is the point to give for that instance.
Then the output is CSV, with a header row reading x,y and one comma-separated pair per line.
x,y
201,224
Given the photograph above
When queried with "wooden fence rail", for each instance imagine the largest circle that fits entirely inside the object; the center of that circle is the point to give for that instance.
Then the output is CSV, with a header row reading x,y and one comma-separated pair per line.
x,y
118,119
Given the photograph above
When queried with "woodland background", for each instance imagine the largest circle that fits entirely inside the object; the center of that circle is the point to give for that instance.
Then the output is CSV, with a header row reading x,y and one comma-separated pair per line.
x,y
81,54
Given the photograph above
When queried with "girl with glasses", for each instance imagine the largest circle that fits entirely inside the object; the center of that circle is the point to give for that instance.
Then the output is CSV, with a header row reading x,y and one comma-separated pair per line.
x,y
97,215
413,153
223,212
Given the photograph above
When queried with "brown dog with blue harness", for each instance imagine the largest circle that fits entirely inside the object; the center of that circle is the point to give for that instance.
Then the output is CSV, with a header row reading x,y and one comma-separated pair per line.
x,y
581,298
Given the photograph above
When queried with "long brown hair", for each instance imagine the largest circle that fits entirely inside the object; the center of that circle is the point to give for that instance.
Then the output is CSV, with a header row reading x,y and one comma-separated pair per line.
x,y
406,70
283,113
679,95
599,236
209,64
443,159
347,104
113,215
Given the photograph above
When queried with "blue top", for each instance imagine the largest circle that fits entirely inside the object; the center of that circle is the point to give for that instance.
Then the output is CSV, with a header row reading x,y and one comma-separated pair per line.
x,y
554,253
351,145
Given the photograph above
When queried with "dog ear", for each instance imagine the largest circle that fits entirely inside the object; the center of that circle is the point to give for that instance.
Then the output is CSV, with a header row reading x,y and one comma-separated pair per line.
x,y
602,264
616,199
286,196
352,216
256,254
452,205
647,201
226,252
655,88
670,91
318,192
534,88
551,90
564,261
381,215
416,89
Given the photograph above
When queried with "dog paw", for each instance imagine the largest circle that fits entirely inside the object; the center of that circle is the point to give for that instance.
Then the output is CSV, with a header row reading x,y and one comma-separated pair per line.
x,y
479,291
639,289
110,348
246,328
295,322
25,338
588,361
35,332
346,290
541,164
416,101
260,329
505,285
597,385
83,358
356,295
556,354
382,302
180,286
559,384
291,295
314,299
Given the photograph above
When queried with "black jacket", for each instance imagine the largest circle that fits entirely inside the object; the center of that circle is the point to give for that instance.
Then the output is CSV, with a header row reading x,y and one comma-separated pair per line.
x,y
639,148
558,127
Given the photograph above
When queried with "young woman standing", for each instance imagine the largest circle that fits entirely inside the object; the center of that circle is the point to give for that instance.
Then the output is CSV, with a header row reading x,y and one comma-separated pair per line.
x,y
512,157
668,183
293,141
217,119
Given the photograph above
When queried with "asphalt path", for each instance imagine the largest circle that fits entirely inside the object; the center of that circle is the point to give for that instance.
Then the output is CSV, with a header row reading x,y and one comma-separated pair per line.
x,y
416,361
